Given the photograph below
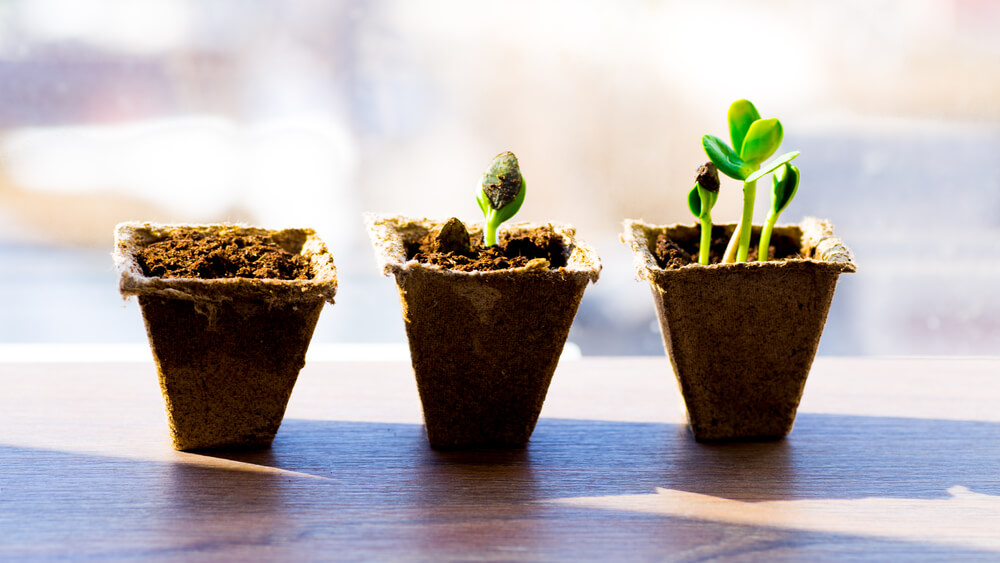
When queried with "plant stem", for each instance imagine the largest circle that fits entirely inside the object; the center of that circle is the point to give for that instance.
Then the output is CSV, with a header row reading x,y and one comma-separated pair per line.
x,y
729,256
765,237
706,239
746,221
490,230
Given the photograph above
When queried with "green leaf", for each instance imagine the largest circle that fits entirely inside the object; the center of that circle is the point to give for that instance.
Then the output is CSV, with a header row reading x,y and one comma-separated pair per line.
x,y
762,139
772,166
785,184
741,114
701,200
724,158
694,201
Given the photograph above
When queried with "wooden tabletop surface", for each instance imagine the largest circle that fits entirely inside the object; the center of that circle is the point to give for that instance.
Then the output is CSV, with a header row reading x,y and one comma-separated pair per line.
x,y
889,459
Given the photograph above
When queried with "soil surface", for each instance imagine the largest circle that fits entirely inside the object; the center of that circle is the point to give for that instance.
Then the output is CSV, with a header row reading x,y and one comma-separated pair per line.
x,y
193,254
452,247
671,254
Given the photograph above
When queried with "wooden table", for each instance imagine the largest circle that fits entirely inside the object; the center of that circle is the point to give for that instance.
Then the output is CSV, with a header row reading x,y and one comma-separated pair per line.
x,y
889,459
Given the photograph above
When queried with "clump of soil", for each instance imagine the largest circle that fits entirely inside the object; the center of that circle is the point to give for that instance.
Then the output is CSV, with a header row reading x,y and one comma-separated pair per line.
x,y
452,247
194,254
671,254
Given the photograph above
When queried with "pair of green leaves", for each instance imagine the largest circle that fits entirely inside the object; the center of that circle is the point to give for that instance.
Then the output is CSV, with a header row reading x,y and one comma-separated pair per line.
x,y
754,141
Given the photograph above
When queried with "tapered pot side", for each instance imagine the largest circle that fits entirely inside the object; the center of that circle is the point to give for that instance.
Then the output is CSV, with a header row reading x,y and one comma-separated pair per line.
x,y
742,337
227,351
484,345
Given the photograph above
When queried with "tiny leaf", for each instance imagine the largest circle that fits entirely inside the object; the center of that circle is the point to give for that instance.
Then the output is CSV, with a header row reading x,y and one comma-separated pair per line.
x,y
762,139
741,114
786,183
724,158
694,201
772,166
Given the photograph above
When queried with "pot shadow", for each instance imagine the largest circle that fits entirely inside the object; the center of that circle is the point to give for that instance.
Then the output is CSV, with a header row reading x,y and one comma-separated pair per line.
x,y
335,483
392,459
436,505
610,479
826,456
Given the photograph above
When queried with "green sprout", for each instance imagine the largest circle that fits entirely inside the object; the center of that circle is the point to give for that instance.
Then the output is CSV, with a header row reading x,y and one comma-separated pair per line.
x,y
500,194
754,141
785,183
701,199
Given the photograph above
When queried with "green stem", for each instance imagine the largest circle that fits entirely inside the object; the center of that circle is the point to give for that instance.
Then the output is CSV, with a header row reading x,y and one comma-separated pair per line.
x,y
746,221
765,237
729,256
490,230
706,238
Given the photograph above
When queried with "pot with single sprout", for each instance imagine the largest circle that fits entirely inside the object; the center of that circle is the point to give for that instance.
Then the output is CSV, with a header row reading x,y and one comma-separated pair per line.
x,y
487,313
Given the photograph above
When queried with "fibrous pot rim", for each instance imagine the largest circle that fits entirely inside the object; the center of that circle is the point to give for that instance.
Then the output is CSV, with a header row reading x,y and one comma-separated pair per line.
x,y
388,233
130,237
816,235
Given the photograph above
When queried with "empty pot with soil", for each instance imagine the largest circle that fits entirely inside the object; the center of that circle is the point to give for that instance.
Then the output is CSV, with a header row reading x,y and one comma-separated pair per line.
x,y
229,312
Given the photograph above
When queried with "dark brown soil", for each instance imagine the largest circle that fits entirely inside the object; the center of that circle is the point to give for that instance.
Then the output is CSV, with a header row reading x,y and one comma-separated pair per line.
x,y
193,254
672,254
453,248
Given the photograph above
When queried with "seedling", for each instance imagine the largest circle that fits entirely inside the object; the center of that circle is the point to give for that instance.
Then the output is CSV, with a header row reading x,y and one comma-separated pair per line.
x,y
701,199
785,182
500,194
754,141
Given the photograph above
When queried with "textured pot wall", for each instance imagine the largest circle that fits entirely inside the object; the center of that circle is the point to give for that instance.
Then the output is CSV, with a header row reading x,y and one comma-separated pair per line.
x,y
227,351
484,345
742,344
484,350
742,337
226,376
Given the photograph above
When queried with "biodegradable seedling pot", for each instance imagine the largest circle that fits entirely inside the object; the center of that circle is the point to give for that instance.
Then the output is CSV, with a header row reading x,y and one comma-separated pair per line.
x,y
741,337
484,345
228,351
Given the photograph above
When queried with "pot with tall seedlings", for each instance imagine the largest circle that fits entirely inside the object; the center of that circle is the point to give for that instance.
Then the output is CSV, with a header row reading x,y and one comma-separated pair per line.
x,y
741,323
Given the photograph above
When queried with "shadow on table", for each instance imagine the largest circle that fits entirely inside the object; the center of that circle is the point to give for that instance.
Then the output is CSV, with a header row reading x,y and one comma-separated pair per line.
x,y
826,456
375,488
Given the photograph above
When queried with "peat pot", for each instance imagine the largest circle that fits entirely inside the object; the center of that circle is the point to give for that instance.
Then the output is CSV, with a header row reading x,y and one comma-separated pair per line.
x,y
484,345
741,337
228,351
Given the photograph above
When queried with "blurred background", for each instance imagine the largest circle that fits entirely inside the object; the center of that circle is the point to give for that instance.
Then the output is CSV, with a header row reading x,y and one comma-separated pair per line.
x,y
310,112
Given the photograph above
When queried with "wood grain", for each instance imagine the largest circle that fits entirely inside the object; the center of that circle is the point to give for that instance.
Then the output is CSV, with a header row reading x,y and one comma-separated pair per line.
x,y
889,458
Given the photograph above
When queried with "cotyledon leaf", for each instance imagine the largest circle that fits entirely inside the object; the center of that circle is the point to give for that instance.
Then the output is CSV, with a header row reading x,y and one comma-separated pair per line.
x,y
741,114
